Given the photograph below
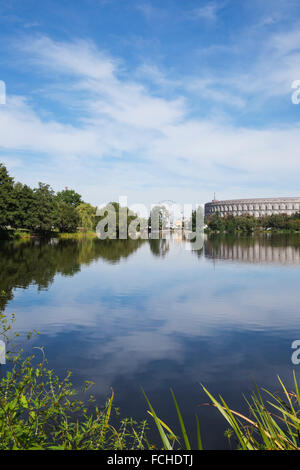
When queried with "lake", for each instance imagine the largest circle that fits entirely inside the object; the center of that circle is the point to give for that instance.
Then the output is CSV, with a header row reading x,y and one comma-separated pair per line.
x,y
152,314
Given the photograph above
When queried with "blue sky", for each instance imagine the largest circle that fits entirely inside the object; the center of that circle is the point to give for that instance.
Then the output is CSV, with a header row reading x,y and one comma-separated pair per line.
x,y
152,99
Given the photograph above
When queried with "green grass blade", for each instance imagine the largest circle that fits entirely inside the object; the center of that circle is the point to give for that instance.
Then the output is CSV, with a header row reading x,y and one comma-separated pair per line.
x,y
165,440
199,440
164,425
296,388
224,410
185,436
286,394
293,418
108,412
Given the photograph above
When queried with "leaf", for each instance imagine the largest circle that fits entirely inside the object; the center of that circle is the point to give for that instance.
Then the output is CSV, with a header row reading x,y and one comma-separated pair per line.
x,y
23,401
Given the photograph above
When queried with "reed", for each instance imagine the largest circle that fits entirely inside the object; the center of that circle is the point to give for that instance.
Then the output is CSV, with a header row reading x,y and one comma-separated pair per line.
x,y
273,421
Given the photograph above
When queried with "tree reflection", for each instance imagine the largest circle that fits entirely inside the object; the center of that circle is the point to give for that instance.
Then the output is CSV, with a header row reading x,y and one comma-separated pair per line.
x,y
159,247
37,262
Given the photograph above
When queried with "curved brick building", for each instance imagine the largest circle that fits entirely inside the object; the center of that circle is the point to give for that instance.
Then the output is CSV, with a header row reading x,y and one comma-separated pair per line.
x,y
256,207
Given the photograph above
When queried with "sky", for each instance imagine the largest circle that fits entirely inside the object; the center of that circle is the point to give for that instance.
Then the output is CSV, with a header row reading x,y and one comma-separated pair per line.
x,y
152,100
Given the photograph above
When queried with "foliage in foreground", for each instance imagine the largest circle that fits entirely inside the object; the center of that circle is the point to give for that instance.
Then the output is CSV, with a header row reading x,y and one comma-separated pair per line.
x,y
273,422
40,411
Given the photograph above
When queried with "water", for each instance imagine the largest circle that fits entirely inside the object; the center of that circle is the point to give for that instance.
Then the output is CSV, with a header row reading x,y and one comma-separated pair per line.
x,y
127,314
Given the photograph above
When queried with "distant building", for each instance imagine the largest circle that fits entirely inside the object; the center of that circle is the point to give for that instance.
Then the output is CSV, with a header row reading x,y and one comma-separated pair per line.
x,y
256,207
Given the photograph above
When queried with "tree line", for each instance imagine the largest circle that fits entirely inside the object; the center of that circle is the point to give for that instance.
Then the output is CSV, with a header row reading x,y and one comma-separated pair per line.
x,y
40,209
247,223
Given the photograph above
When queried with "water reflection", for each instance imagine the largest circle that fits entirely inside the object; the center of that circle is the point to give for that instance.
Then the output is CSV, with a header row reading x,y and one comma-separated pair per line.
x,y
36,262
128,314
159,247
280,249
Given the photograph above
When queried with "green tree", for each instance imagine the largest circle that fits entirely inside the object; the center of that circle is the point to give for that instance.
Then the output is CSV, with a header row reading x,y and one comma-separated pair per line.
x,y
230,224
294,225
70,197
7,198
87,216
44,215
278,221
68,218
24,208
246,223
216,223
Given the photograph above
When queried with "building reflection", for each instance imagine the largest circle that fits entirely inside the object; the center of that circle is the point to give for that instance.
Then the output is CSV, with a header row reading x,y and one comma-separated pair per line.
x,y
285,250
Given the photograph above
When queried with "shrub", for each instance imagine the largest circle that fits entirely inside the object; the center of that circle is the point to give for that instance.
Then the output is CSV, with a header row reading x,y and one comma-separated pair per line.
x,y
40,411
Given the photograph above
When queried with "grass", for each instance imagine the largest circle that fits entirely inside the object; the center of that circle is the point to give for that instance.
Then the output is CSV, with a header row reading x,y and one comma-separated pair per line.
x,y
23,234
14,234
273,422
78,235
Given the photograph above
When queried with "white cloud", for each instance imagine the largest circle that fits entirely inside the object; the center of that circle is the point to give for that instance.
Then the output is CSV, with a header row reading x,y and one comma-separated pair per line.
x,y
207,12
80,57
149,11
215,91
153,148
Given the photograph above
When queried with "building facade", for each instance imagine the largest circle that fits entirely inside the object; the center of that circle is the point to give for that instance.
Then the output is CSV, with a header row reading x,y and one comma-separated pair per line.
x,y
255,207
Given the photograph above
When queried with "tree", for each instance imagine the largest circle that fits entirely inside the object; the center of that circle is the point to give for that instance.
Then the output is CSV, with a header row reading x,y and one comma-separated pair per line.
x,y
87,216
44,209
294,225
24,209
230,224
70,197
68,218
7,198
278,221
246,223
216,223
